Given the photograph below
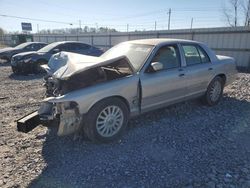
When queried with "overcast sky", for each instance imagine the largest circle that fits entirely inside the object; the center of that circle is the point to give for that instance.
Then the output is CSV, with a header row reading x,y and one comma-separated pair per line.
x,y
138,14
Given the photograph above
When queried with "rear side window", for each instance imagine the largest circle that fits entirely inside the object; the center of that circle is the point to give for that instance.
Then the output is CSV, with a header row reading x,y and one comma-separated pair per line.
x,y
195,55
42,45
77,46
203,55
83,46
37,46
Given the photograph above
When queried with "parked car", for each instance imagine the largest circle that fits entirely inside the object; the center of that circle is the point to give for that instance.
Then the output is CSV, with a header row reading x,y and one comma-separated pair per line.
x,y
7,53
29,62
99,94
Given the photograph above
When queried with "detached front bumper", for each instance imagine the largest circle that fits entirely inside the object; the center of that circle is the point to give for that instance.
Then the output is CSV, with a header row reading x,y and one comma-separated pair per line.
x,y
28,122
66,113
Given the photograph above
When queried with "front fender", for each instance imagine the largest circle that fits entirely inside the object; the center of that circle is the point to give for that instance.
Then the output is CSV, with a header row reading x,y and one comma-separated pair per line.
x,y
126,88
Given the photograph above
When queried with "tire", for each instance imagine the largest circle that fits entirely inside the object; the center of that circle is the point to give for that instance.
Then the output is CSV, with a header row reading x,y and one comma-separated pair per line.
x,y
7,60
36,67
15,70
100,125
214,92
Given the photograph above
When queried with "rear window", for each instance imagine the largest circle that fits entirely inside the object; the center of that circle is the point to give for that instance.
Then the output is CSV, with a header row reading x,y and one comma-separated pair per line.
x,y
195,54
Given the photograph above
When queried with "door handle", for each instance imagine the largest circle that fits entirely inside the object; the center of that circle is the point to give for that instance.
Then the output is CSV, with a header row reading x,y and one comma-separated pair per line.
x,y
181,75
210,68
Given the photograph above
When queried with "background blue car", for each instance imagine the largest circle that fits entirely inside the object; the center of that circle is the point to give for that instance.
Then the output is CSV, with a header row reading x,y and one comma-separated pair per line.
x,y
29,62
7,53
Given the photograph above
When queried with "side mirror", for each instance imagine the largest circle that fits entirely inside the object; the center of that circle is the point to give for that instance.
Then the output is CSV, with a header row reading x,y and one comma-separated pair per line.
x,y
157,66
56,50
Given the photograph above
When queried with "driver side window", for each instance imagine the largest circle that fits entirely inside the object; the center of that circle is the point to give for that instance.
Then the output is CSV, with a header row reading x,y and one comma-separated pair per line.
x,y
168,56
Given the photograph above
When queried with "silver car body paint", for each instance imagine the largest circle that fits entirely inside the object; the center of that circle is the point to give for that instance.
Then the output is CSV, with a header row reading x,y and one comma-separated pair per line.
x,y
148,91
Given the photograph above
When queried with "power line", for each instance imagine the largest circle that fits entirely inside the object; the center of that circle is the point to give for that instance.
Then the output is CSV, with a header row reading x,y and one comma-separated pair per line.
x,y
35,19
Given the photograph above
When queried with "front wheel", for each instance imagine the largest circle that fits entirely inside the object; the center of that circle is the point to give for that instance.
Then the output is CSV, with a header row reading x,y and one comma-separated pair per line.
x,y
214,91
106,120
6,59
15,70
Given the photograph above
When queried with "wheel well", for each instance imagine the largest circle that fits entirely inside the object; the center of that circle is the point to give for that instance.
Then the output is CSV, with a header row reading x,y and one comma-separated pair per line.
x,y
124,100
223,77
118,97
7,58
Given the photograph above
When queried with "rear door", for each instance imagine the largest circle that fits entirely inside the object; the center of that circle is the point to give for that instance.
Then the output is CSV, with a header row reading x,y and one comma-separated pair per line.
x,y
166,86
199,69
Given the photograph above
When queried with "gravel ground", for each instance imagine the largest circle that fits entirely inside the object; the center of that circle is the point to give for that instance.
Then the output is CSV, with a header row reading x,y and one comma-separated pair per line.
x,y
185,145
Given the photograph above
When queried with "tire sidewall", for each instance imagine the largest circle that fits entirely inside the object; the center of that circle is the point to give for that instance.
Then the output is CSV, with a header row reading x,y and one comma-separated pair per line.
x,y
208,97
90,123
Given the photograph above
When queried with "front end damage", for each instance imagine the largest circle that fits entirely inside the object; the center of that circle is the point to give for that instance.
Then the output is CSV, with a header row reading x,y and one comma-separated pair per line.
x,y
67,85
66,113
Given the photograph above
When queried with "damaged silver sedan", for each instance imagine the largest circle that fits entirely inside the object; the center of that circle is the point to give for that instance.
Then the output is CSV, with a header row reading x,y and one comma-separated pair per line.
x,y
99,94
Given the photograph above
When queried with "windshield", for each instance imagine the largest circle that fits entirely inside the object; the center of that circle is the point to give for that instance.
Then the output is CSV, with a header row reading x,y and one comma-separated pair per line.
x,y
48,47
23,45
136,53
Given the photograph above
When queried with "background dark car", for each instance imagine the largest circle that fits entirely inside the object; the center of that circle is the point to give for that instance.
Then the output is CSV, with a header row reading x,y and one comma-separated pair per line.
x,y
7,53
28,62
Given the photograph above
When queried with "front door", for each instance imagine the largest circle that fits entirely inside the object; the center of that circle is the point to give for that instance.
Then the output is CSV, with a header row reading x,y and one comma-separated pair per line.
x,y
165,86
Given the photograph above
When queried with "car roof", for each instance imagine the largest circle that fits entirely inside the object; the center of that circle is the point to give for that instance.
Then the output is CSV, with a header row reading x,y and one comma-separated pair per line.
x,y
158,41
35,42
64,42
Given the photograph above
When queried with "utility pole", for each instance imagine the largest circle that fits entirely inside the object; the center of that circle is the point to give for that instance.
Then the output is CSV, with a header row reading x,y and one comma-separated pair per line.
x,y
37,27
80,27
80,24
192,23
96,24
155,25
169,17
247,14
127,28
235,12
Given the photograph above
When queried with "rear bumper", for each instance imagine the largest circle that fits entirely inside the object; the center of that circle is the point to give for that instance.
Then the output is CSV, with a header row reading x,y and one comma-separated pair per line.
x,y
231,77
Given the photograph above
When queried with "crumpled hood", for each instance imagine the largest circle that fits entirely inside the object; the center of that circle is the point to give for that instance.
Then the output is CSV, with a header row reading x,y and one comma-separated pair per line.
x,y
65,64
7,49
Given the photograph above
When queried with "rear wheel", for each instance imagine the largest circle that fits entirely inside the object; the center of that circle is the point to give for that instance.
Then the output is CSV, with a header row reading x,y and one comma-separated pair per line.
x,y
214,91
106,120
